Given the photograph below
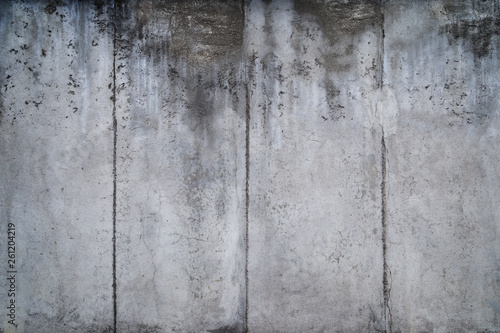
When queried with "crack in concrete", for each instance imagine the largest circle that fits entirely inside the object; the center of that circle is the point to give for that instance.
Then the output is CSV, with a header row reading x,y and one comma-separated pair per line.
x,y
382,51
247,173
115,128
386,272
247,195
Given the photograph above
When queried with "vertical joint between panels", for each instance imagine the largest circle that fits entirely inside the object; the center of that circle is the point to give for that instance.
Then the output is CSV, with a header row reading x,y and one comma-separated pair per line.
x,y
115,128
247,177
382,46
383,188
386,270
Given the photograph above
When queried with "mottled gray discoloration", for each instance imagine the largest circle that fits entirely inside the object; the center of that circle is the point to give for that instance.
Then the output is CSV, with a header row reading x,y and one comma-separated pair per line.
x,y
441,121
228,329
180,105
337,18
311,125
66,322
199,31
475,23
340,22
56,166
262,166
124,326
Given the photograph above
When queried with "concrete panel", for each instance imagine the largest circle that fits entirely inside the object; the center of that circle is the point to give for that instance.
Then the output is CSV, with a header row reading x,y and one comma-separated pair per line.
x,y
315,232
261,166
181,167
56,188
441,120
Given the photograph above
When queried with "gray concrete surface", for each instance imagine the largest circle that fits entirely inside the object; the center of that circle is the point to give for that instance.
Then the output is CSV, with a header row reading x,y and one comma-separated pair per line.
x,y
315,254
442,91
56,162
181,168
260,166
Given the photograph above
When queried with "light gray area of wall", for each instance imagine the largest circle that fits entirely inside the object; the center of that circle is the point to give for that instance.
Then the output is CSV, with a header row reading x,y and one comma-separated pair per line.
x,y
315,254
441,121
56,145
261,166
181,161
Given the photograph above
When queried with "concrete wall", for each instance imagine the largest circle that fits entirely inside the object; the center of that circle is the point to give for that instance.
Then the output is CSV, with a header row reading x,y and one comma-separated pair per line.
x,y
260,166
56,162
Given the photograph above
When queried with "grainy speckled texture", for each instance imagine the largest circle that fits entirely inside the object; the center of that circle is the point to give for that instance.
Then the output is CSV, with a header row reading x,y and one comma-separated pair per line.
x,y
315,255
181,161
443,162
56,145
270,166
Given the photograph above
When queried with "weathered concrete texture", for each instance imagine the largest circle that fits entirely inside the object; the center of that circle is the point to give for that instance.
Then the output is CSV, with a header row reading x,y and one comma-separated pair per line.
x,y
56,166
315,236
181,167
441,120
261,166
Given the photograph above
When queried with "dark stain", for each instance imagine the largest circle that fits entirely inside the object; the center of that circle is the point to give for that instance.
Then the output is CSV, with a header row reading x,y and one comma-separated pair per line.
x,y
37,322
340,22
337,18
478,32
50,8
108,329
139,328
99,7
101,11
199,31
4,81
202,85
201,111
336,110
228,329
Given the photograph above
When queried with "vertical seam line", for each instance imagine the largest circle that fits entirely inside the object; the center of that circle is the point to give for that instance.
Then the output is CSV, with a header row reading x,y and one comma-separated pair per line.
x,y
247,180
115,128
383,189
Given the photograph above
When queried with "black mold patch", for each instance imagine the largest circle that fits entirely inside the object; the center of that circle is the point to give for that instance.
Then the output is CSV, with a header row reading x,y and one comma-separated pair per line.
x,y
50,9
194,30
99,6
338,18
479,33
51,6
340,22
477,26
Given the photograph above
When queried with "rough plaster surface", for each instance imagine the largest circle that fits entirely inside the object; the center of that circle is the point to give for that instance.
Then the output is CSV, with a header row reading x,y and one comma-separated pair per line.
x,y
261,166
